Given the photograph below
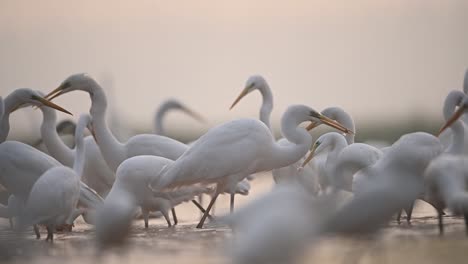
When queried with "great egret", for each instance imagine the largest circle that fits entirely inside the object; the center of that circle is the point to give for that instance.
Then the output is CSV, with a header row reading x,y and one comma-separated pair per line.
x,y
65,129
112,150
21,164
446,180
228,153
177,197
133,177
447,175
164,108
289,173
264,234
96,174
114,218
54,196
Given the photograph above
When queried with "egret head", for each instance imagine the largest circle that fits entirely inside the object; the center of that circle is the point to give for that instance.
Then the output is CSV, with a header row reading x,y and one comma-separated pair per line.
x,y
255,82
80,81
462,108
24,97
176,104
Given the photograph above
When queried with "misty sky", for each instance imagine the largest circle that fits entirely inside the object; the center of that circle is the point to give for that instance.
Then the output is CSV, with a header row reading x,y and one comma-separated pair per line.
x,y
377,59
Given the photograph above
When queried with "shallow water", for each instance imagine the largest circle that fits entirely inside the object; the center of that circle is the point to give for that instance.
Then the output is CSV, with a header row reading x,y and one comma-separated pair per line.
x,y
419,243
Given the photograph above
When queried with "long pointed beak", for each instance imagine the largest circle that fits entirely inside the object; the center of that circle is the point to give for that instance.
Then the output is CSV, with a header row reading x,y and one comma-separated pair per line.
x,y
452,119
56,92
51,105
194,115
310,156
312,125
241,95
332,123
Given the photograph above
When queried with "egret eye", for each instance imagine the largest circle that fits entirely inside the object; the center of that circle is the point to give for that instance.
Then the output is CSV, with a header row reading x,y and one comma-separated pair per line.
x,y
314,113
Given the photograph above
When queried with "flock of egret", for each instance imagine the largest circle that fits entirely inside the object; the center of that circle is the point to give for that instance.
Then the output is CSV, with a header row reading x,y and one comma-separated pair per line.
x,y
341,186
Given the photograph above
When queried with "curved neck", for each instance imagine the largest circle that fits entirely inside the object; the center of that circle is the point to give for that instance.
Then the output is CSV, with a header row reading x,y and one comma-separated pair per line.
x,y
299,143
453,99
159,118
267,105
111,149
4,126
78,164
343,118
54,144
9,105
338,143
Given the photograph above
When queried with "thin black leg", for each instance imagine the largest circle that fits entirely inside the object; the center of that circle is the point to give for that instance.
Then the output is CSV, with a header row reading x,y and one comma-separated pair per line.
x,y
205,215
202,210
232,202
174,216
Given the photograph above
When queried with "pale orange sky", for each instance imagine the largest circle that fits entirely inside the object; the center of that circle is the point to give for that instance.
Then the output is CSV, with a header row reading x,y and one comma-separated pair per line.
x,y
376,59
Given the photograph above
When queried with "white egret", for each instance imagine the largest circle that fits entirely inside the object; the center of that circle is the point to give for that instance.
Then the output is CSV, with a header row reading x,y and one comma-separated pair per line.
x,y
447,176
54,196
228,153
66,131
264,234
164,108
163,205
289,173
113,151
446,180
133,177
114,218
96,174
318,166
21,164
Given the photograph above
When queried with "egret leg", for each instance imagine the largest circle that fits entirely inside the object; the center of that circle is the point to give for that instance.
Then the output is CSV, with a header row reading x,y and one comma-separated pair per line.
x,y
11,222
441,224
232,203
50,233
205,215
200,201
174,216
409,212
166,216
145,217
36,231
466,223
202,210
399,216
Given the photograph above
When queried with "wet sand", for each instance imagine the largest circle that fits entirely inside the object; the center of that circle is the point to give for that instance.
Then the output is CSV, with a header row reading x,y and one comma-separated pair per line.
x,y
418,243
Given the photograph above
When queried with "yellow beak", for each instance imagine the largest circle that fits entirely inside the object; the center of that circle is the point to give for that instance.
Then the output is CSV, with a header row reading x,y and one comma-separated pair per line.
x,y
55,93
310,156
332,123
51,105
241,95
312,126
452,119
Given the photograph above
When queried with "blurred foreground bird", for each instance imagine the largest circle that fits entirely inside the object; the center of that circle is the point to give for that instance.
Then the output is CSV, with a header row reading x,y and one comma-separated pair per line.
x,y
277,227
54,196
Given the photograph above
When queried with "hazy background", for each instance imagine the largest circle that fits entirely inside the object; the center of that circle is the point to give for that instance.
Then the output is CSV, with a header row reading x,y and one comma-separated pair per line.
x,y
388,63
